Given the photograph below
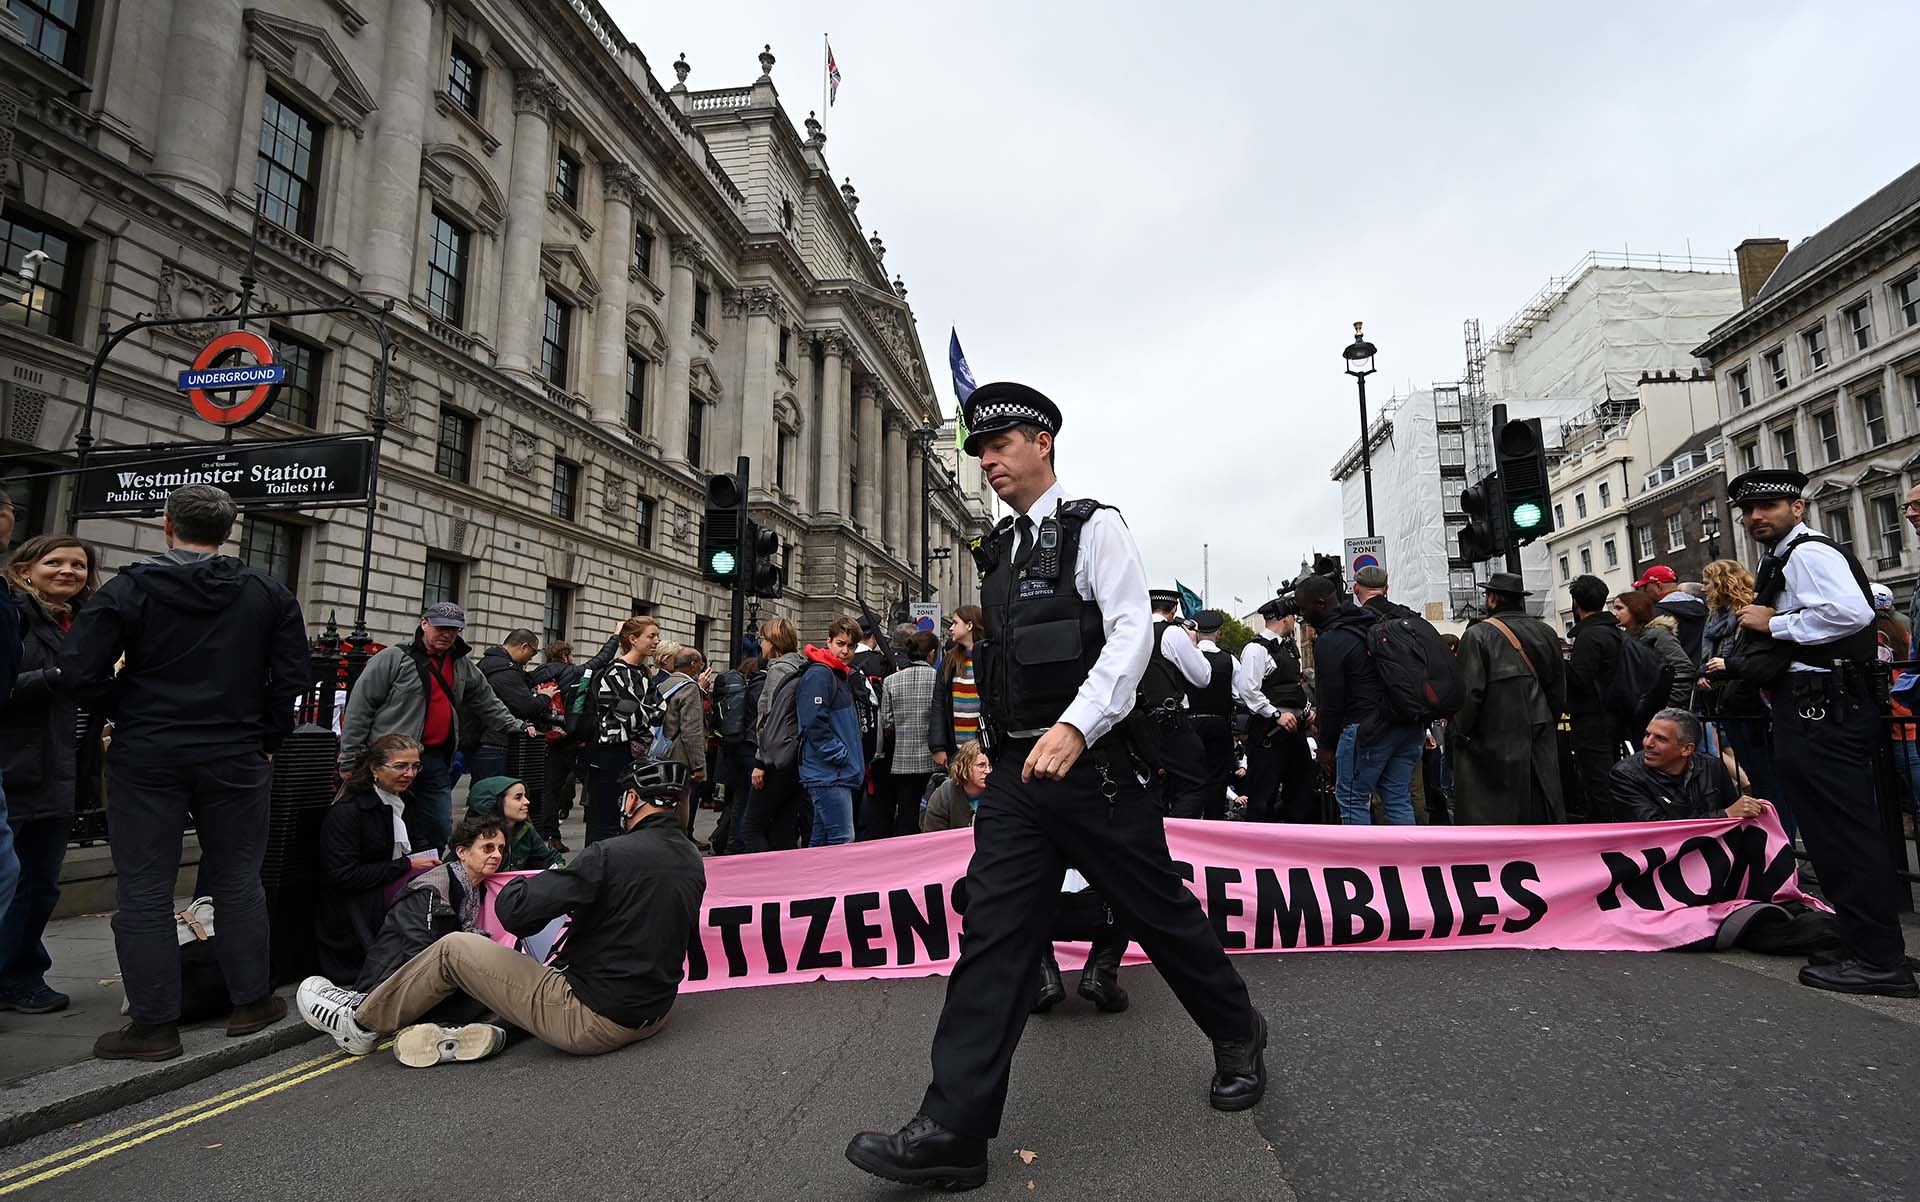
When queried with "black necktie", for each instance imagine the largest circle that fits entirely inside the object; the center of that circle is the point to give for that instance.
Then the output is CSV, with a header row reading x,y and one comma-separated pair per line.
x,y
1024,528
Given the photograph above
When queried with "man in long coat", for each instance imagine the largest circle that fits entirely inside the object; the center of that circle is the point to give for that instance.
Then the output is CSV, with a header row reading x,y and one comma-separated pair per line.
x,y
1506,751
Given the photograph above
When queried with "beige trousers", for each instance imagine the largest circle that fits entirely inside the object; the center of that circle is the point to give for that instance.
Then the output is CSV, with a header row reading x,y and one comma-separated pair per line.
x,y
515,986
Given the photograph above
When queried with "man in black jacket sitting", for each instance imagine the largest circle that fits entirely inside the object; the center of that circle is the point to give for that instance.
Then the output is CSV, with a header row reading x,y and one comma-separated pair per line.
x,y
634,901
1671,778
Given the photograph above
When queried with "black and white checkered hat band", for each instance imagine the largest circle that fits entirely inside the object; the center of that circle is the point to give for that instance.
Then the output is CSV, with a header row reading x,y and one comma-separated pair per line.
x,y
1766,491
997,411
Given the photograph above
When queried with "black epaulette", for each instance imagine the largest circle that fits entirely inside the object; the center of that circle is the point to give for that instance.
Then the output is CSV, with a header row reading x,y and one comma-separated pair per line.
x,y
986,551
1080,509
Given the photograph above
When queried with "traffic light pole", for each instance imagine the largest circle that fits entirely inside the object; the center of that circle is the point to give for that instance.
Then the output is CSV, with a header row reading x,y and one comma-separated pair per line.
x,y
743,572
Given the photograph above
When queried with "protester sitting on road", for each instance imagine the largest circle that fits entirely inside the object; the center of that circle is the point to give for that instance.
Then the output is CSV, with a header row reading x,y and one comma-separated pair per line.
x,y
215,657
956,799
1636,615
440,901
427,689
364,850
1672,778
635,902
504,800
48,579
505,669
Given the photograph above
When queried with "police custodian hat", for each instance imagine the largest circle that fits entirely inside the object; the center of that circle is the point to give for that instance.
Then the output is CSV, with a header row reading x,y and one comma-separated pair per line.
x,y
1766,484
1003,405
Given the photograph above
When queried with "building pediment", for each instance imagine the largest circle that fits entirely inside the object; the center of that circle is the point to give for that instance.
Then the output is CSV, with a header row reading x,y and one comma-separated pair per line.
x,y
305,57
643,329
701,378
563,266
458,181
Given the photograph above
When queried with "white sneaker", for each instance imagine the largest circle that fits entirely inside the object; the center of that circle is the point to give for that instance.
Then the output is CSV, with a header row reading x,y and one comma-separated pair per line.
x,y
424,1045
329,1008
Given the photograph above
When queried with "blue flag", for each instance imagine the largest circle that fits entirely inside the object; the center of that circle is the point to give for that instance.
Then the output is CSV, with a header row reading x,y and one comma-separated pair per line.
x,y
1190,603
962,387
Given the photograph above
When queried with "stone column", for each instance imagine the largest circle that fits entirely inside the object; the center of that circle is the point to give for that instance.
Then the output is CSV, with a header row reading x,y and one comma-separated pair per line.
x,y
868,410
535,97
916,478
671,425
756,399
393,172
621,187
896,474
831,407
198,95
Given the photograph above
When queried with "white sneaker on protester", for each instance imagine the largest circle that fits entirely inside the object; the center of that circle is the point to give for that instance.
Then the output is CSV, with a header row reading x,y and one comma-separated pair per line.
x,y
424,1045
329,1008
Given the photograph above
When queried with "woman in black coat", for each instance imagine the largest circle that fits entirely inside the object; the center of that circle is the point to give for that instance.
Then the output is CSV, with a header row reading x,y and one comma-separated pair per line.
x,y
363,852
48,579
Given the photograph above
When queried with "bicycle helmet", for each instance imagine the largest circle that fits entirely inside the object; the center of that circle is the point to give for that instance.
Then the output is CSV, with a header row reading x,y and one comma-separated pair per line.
x,y
656,780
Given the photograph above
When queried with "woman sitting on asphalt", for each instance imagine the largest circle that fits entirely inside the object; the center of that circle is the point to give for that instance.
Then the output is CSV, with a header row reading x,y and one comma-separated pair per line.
x,y
504,799
440,901
364,851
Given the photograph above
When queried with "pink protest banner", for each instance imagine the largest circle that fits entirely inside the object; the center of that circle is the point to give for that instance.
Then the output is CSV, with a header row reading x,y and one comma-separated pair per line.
x,y
886,909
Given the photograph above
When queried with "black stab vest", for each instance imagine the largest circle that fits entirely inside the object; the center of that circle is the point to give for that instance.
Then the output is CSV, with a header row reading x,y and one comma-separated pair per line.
x,y
1161,685
1041,639
1216,696
1282,685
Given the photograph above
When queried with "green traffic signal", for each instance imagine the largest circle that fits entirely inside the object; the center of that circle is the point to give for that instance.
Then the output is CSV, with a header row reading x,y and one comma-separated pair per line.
x,y
722,563
1527,515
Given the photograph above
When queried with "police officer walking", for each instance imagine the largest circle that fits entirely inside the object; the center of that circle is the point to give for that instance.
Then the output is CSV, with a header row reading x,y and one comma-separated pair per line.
x,y
1281,781
1211,709
1171,743
1066,640
1808,639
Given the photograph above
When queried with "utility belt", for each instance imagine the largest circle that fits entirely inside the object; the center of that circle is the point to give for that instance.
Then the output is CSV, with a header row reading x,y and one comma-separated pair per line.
x,y
1814,693
1167,713
1114,754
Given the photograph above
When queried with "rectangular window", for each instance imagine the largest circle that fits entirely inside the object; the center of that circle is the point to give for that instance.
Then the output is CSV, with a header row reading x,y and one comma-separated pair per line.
x,y
287,170
1837,516
1446,405
47,304
1606,494
1887,522
1873,417
700,296
1586,561
1789,448
696,417
786,214
1815,342
1612,551
1579,505
1559,514
566,176
566,488
1742,387
1566,569
453,452
786,345
1450,489
636,392
447,245
559,601
1749,456
556,335
440,581
643,250
1676,532
1776,364
463,79
297,398
1453,448
56,30
273,547
1860,325
1826,431
782,450
1643,543
643,520
1906,294
701,625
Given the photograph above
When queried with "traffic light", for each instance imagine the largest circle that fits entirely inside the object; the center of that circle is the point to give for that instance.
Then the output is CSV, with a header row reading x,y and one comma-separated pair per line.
x,y
1522,456
769,575
1485,534
722,549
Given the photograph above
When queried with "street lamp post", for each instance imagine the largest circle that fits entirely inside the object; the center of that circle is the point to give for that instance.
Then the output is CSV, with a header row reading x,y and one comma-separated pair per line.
x,y
1710,526
924,440
1359,357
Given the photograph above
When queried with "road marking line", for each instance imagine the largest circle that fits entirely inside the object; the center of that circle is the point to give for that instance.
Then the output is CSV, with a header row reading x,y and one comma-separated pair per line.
x,y
337,1061
162,1118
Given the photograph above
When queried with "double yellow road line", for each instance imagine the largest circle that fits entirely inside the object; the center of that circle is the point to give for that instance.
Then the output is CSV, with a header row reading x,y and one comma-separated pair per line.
x,y
83,1154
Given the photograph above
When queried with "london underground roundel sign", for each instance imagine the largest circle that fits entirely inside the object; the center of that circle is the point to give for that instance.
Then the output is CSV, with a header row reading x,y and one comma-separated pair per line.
x,y
255,380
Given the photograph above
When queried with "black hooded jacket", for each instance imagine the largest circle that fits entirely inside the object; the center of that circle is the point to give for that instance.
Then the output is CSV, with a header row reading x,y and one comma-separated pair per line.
x,y
1348,684
216,656
514,688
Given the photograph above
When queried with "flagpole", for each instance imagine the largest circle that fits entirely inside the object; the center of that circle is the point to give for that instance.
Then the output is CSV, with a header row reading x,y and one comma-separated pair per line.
x,y
826,56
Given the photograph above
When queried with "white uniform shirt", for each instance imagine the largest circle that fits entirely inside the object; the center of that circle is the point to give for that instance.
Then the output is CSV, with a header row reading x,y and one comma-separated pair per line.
x,y
1255,663
1176,646
1108,573
1821,602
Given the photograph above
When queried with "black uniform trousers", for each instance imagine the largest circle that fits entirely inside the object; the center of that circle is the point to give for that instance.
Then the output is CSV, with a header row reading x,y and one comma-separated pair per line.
x,y
1823,743
1595,751
1025,835
1216,751
1174,748
1281,776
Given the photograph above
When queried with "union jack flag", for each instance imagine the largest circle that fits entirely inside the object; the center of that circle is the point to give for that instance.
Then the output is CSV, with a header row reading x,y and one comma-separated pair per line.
x,y
833,78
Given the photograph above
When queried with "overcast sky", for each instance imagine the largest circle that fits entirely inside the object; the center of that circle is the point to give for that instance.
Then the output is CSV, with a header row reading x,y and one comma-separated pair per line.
x,y
1169,223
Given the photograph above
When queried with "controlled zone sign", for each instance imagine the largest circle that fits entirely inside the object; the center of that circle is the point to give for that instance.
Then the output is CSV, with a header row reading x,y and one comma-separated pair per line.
x,y
256,379
1370,552
302,474
925,615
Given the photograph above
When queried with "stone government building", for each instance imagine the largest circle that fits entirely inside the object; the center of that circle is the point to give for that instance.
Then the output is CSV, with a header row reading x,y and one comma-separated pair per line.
x,y
603,289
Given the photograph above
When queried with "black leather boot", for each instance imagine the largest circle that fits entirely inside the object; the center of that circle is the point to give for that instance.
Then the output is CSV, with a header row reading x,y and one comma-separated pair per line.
x,y
1100,979
1858,976
1052,991
922,1153
1240,1069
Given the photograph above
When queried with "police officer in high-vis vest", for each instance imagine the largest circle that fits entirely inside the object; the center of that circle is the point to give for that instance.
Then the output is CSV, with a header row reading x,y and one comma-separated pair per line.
x,y
1808,640
1210,709
1066,637
1281,778
1161,715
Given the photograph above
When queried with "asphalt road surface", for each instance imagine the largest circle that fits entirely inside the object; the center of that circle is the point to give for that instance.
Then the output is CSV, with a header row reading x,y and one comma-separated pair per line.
x,y
1398,1075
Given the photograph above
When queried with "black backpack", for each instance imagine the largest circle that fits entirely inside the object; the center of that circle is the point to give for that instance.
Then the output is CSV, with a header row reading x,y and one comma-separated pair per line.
x,y
730,699
1642,681
1418,673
